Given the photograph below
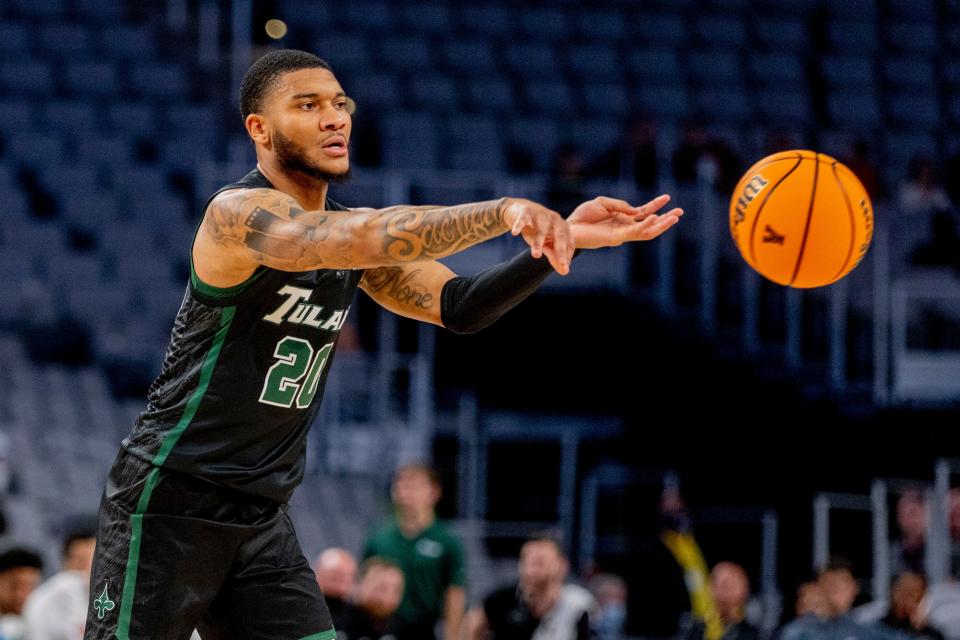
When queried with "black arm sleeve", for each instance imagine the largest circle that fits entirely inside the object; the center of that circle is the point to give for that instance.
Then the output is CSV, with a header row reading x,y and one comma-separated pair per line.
x,y
468,305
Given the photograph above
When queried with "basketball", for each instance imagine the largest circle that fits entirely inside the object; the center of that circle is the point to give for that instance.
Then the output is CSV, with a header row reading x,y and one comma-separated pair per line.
x,y
801,219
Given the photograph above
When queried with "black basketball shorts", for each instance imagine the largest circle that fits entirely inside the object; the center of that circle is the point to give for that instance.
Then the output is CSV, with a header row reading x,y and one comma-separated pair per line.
x,y
177,553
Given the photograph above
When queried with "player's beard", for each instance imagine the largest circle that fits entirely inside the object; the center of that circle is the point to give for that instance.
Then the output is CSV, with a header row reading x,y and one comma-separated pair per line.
x,y
293,158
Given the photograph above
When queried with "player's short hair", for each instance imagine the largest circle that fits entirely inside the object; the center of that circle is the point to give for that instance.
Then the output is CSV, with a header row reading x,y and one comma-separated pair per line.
x,y
378,562
20,557
263,74
423,468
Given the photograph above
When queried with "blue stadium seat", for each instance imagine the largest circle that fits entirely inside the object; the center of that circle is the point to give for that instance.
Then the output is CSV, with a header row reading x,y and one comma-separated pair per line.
x,y
481,157
99,10
953,106
16,113
728,102
376,89
469,57
159,80
545,22
608,26
783,106
201,120
109,151
597,135
914,10
343,51
64,180
719,32
40,8
910,72
92,78
781,69
611,99
64,39
305,12
155,212
539,136
139,181
14,37
91,209
127,41
666,100
853,37
849,72
410,140
493,19
75,115
132,117
854,9
72,270
24,76
492,94
715,68
662,28
406,53
919,37
470,130
782,34
426,17
901,147
856,108
41,238
15,206
435,91
950,73
654,63
595,63
914,112
549,97
35,148
368,15
532,60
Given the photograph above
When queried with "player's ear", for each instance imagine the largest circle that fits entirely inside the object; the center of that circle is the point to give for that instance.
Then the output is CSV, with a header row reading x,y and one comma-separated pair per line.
x,y
257,128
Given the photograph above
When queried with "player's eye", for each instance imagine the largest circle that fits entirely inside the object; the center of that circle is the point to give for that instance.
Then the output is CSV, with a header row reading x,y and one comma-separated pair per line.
x,y
307,106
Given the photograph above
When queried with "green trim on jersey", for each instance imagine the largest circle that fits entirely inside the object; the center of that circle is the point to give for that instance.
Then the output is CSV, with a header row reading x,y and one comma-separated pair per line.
x,y
206,373
211,291
326,635
136,520
133,557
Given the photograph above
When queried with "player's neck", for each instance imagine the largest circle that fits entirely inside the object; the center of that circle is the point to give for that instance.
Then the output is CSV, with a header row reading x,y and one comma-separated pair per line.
x,y
413,523
311,193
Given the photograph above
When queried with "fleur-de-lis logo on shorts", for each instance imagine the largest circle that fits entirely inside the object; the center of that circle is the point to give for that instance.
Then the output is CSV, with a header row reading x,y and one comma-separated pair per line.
x,y
103,603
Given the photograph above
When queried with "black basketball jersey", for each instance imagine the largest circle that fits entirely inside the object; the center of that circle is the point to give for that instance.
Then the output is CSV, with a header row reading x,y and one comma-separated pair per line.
x,y
244,373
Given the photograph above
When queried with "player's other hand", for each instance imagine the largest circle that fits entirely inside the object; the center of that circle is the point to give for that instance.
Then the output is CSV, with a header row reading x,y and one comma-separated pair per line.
x,y
608,222
544,230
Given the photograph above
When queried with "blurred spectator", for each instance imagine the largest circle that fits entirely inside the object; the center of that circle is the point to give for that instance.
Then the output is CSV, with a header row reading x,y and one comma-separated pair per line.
x,y
811,601
668,576
430,556
860,161
954,518
565,192
922,194
20,570
610,592
541,606
336,572
906,613
57,609
730,587
826,616
378,596
635,157
908,551
702,158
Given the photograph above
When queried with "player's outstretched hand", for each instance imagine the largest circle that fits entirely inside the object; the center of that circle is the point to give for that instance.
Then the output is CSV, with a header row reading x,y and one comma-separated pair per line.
x,y
608,222
544,230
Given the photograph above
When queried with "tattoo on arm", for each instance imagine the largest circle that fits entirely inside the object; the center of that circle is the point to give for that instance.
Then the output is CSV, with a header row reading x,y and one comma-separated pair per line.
x,y
400,286
281,234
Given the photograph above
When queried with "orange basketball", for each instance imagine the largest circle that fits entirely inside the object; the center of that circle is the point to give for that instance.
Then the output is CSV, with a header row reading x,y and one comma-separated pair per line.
x,y
801,219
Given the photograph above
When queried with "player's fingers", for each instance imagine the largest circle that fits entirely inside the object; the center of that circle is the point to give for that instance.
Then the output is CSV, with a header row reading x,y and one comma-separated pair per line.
x,y
563,241
560,264
662,224
641,212
522,221
613,204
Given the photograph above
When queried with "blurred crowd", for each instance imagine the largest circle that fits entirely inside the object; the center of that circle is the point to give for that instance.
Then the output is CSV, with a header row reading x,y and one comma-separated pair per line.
x,y
410,580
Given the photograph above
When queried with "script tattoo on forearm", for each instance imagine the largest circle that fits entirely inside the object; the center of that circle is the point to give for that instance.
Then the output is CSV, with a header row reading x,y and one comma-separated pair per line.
x,y
283,235
402,287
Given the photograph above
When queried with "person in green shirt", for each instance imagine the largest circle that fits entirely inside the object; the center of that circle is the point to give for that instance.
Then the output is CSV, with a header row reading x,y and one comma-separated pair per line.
x,y
429,554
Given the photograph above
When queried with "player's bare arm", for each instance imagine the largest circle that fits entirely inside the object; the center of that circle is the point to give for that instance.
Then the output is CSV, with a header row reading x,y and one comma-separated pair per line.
x,y
246,228
412,290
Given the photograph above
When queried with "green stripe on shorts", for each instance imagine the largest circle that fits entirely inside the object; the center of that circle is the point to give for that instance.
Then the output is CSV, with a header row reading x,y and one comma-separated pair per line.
x,y
133,557
326,635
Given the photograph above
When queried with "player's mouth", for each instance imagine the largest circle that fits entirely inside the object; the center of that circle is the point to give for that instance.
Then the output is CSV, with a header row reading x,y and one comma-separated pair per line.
x,y
335,146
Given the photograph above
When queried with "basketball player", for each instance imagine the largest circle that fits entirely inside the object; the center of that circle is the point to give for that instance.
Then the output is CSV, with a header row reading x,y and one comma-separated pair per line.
x,y
193,529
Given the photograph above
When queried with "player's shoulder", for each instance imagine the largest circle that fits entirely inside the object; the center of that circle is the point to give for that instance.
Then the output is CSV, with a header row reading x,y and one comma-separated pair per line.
x,y
235,196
